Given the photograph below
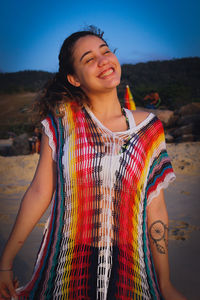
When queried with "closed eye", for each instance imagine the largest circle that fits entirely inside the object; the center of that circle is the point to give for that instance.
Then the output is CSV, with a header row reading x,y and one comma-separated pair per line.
x,y
90,59
108,51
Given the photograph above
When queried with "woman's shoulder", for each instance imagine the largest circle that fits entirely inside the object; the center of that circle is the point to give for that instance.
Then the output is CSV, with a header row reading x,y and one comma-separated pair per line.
x,y
140,116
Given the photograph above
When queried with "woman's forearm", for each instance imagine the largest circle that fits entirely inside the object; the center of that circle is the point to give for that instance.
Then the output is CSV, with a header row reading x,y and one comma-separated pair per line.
x,y
158,237
32,208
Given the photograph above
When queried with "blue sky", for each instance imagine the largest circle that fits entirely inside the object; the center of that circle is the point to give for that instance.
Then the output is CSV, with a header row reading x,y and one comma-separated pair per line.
x,y
32,32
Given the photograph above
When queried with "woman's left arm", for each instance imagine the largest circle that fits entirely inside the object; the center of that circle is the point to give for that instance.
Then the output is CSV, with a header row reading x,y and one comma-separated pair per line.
x,y
157,218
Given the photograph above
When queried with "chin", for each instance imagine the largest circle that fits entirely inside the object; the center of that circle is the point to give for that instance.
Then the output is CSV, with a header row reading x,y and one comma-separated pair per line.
x,y
114,84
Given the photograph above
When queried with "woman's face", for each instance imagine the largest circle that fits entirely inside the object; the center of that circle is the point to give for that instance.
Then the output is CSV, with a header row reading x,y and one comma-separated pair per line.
x,y
97,69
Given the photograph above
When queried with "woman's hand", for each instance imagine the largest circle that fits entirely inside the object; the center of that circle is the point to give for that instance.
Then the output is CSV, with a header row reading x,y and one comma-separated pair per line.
x,y
8,285
170,293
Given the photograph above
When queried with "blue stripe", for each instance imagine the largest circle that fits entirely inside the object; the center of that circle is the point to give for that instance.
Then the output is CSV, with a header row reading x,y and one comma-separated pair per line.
x,y
60,141
34,290
160,175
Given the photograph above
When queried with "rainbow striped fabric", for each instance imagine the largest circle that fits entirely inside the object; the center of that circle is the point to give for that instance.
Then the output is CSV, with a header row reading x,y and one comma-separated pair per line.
x,y
96,245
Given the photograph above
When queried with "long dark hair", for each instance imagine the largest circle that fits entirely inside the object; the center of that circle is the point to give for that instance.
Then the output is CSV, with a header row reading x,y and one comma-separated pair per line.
x,y
58,90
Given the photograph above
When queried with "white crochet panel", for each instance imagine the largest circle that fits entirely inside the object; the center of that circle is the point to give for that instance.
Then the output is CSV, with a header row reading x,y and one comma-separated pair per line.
x,y
48,133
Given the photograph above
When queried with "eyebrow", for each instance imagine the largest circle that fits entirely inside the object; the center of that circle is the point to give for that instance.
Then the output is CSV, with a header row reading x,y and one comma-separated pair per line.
x,y
88,52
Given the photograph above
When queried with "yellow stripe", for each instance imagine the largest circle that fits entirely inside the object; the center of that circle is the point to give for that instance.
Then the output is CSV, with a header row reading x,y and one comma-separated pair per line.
x,y
74,206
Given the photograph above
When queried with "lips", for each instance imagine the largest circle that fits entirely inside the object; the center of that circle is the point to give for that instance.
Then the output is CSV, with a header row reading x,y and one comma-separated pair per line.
x,y
106,73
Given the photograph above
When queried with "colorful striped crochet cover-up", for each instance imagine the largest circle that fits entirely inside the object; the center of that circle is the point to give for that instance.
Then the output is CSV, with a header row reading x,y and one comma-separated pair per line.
x,y
95,245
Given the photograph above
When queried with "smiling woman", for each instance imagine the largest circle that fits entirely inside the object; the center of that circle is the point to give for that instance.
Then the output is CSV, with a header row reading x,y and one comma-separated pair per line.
x,y
104,167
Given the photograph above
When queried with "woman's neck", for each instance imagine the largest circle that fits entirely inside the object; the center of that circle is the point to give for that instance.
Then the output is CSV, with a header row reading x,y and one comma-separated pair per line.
x,y
105,105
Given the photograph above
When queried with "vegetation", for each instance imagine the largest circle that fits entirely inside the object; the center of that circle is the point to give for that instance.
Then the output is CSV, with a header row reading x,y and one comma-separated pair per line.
x,y
23,81
177,82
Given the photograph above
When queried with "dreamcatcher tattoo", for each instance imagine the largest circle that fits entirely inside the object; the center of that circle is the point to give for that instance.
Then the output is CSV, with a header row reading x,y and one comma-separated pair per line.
x,y
158,233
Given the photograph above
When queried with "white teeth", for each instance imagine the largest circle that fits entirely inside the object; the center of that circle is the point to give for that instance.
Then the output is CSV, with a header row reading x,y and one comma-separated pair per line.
x,y
110,71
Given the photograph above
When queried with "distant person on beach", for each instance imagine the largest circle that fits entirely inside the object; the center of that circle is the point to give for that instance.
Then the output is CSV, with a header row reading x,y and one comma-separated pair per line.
x,y
152,100
35,141
104,168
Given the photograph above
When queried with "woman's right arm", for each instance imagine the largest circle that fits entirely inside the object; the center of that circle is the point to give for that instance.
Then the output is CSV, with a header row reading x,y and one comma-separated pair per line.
x,y
34,203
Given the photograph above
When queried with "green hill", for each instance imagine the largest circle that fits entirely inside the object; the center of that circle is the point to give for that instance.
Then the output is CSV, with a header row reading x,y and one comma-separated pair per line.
x,y
177,81
23,81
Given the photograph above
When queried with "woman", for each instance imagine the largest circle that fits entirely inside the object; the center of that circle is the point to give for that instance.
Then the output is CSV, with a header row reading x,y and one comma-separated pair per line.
x,y
105,168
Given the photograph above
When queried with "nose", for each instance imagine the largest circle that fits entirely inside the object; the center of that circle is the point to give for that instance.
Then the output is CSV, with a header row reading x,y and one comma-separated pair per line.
x,y
102,60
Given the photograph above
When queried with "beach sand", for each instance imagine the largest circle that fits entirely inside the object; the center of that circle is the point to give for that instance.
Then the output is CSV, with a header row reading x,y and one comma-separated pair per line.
x,y
183,204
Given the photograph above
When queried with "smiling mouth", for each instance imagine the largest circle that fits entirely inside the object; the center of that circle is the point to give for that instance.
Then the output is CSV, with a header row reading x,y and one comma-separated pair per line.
x,y
106,73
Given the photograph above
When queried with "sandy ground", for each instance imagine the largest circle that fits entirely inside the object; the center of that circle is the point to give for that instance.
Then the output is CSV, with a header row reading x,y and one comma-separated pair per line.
x,y
183,204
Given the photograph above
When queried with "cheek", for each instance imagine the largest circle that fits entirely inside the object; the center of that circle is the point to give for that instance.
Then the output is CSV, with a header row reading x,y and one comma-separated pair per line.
x,y
120,70
85,77
117,63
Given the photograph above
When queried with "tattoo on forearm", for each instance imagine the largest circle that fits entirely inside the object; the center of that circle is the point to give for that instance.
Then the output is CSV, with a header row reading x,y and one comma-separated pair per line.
x,y
158,233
